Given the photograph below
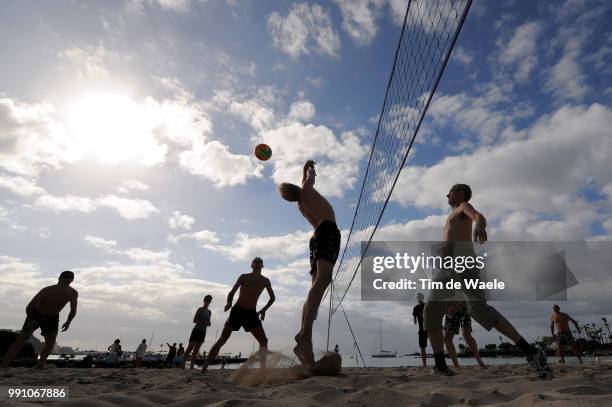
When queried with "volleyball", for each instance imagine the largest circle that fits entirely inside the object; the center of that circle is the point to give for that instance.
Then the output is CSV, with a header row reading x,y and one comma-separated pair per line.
x,y
263,152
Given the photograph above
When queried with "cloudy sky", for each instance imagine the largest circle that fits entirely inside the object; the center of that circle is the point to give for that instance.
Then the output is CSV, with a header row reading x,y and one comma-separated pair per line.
x,y
127,130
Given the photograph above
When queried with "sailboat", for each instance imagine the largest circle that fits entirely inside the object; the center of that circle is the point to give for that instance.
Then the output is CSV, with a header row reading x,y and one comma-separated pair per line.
x,y
383,353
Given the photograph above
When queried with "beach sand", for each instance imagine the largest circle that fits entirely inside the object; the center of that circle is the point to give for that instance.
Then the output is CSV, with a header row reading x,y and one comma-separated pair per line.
x,y
508,385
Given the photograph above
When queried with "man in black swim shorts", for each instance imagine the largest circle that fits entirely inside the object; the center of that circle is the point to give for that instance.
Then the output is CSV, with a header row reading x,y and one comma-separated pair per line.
x,y
324,248
43,312
244,314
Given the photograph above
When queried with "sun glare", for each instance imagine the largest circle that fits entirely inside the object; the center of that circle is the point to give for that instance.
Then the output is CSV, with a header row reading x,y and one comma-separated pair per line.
x,y
113,128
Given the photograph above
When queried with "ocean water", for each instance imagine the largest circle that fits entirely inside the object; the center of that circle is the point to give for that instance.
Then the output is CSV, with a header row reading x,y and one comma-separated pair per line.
x,y
412,361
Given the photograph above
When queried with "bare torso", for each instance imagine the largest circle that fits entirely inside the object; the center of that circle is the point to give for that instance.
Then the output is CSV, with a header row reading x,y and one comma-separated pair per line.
x,y
52,299
251,286
458,227
561,320
315,208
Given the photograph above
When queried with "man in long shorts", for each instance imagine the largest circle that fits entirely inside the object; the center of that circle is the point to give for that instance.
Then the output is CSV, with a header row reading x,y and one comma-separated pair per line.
x,y
564,336
201,319
43,312
457,235
244,314
324,248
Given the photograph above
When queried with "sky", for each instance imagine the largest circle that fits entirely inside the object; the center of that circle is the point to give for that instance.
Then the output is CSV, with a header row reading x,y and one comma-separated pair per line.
x,y
127,131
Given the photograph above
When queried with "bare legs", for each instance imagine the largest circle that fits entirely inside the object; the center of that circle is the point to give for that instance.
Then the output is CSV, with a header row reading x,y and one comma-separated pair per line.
x,y
193,347
471,343
14,349
450,346
44,353
214,351
576,351
322,279
424,356
260,335
469,340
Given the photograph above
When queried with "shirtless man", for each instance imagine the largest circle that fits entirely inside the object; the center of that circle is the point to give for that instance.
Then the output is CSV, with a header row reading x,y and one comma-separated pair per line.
x,y
43,312
324,248
244,313
564,335
458,233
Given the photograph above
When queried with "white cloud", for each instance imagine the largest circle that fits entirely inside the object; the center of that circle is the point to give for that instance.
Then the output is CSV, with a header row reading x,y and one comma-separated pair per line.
x,y
100,242
398,10
522,43
20,185
566,80
180,6
132,185
338,158
462,56
202,238
485,115
91,60
521,49
147,256
429,228
31,139
245,247
180,220
304,30
359,18
215,162
301,111
67,203
539,175
129,209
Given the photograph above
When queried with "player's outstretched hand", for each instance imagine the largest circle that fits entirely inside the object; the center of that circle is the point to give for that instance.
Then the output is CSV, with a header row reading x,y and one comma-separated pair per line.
x,y
480,234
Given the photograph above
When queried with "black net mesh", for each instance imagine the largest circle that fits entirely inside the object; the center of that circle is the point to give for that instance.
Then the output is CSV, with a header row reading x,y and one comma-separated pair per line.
x,y
428,36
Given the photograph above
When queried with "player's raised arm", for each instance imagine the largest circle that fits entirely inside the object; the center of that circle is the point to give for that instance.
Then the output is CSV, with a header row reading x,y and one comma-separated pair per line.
x,y
309,164
480,233
230,296
309,179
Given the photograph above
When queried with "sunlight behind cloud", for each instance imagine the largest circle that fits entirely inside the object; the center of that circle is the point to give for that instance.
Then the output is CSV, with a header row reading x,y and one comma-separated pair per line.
x,y
113,128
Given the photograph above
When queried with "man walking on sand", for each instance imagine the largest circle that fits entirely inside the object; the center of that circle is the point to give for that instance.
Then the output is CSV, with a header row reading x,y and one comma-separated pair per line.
x,y
201,319
457,234
43,312
564,336
244,314
417,316
324,248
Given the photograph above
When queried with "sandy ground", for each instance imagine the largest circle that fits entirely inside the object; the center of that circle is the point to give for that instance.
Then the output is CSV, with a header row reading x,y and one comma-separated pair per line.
x,y
510,385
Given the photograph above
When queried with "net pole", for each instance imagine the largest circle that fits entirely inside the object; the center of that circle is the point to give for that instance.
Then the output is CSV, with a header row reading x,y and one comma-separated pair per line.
x,y
353,335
